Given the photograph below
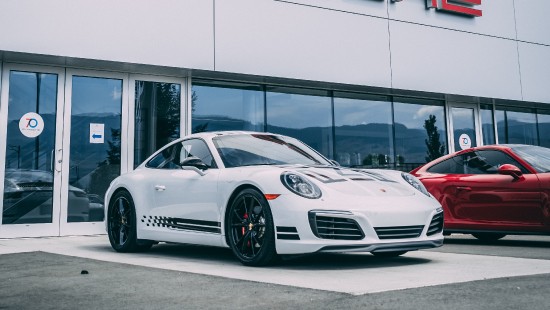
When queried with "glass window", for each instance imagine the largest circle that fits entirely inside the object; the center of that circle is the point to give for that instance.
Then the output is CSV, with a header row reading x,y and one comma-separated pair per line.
x,y
488,162
420,132
172,156
487,124
96,107
304,115
28,179
363,131
543,123
226,106
199,149
464,131
157,117
516,126
538,157
452,165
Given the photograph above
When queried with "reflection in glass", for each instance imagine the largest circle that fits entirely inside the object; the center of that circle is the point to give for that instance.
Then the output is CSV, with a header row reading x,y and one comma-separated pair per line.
x,y
463,128
487,124
516,126
157,117
420,132
225,106
543,118
363,128
28,179
94,156
305,115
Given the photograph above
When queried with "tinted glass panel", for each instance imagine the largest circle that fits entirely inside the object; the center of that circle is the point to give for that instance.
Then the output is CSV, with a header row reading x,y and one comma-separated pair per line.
x,y
420,133
28,179
157,117
364,132
463,128
538,157
488,162
96,108
487,124
168,158
227,107
305,116
197,148
516,126
452,165
543,118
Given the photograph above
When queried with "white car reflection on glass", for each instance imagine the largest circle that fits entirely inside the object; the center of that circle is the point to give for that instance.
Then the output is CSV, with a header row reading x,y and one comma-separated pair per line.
x,y
265,195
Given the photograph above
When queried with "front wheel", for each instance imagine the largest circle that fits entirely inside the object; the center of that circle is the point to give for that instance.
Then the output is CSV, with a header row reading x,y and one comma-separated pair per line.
x,y
250,229
121,225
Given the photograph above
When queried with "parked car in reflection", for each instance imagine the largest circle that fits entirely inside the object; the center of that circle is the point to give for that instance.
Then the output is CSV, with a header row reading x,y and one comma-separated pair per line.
x,y
263,195
492,191
28,199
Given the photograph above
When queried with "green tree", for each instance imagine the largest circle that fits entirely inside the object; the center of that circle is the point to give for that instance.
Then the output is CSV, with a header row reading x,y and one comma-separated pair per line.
x,y
435,148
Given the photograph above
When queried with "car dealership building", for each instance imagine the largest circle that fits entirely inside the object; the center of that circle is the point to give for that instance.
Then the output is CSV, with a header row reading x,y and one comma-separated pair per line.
x,y
91,88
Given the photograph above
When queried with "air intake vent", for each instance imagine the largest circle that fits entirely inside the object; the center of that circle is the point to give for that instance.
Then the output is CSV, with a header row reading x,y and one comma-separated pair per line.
x,y
399,232
329,227
436,225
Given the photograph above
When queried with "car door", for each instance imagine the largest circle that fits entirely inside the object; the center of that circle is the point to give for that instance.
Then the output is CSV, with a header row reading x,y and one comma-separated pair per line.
x,y
185,200
482,195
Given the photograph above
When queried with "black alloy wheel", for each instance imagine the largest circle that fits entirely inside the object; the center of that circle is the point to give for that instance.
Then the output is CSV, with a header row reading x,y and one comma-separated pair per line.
x,y
121,224
250,229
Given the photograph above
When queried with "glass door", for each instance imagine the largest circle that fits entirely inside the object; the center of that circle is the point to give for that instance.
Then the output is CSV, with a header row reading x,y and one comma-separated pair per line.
x,y
31,129
465,131
94,145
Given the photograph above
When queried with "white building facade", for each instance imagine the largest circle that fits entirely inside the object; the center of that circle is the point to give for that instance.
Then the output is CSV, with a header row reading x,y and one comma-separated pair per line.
x,y
90,88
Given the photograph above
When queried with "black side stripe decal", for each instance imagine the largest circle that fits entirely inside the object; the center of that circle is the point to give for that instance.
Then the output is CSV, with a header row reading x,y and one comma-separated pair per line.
x,y
183,224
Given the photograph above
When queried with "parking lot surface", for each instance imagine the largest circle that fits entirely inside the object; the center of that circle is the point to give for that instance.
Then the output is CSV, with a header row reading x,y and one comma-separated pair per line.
x,y
83,271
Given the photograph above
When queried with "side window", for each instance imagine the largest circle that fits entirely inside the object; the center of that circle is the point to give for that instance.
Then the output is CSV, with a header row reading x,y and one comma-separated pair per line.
x,y
452,165
197,148
167,159
488,162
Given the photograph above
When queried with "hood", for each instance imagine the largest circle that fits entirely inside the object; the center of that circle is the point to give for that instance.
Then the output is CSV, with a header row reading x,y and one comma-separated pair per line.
x,y
362,182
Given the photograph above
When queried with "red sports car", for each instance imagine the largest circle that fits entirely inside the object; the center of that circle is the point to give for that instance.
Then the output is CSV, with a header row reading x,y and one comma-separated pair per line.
x,y
492,191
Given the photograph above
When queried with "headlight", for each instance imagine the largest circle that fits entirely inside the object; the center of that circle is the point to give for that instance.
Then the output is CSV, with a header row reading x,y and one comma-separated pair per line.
x,y
300,185
412,180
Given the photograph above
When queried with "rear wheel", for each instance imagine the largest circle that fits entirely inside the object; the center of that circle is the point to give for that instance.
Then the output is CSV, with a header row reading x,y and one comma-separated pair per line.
x,y
488,236
250,229
121,225
388,254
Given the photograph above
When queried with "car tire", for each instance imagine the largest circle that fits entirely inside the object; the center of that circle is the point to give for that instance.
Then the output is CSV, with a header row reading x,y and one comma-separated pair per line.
x,y
121,225
489,237
389,254
250,229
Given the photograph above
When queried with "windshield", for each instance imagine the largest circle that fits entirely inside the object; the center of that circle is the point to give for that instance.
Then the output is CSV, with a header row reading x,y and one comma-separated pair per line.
x,y
264,149
538,157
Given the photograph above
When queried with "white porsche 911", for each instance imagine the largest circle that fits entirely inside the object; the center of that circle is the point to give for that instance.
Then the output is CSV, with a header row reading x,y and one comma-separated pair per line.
x,y
265,195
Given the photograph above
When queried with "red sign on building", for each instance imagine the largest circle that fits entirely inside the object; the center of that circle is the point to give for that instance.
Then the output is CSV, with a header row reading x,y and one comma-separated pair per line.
x,y
456,6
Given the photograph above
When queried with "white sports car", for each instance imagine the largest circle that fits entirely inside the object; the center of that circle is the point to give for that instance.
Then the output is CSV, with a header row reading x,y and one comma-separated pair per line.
x,y
265,195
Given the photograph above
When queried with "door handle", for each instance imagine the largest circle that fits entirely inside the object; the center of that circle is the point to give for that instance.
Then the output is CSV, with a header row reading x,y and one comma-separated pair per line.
x,y
160,188
463,189
58,160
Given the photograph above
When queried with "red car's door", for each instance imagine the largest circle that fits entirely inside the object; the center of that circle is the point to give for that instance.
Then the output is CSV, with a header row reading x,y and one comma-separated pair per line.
x,y
544,179
498,199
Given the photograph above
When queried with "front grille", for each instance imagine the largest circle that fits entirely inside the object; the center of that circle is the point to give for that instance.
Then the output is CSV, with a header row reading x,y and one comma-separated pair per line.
x,y
328,227
436,225
399,232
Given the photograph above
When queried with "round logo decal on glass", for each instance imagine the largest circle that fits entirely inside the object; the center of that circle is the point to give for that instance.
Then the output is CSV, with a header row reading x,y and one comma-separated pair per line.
x,y
31,125
464,141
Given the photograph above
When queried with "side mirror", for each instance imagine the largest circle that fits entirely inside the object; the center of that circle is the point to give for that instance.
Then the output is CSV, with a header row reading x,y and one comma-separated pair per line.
x,y
195,164
508,169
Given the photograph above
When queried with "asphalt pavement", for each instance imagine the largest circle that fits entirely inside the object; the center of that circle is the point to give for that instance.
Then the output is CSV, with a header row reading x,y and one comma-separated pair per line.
x,y
84,273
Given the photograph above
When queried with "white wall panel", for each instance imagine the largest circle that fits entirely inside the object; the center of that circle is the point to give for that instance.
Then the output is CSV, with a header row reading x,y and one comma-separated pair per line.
x,y
497,19
535,72
162,32
271,38
447,61
367,7
533,20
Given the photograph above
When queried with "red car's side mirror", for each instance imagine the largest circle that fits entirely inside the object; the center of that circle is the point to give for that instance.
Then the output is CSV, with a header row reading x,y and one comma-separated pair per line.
x,y
508,169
